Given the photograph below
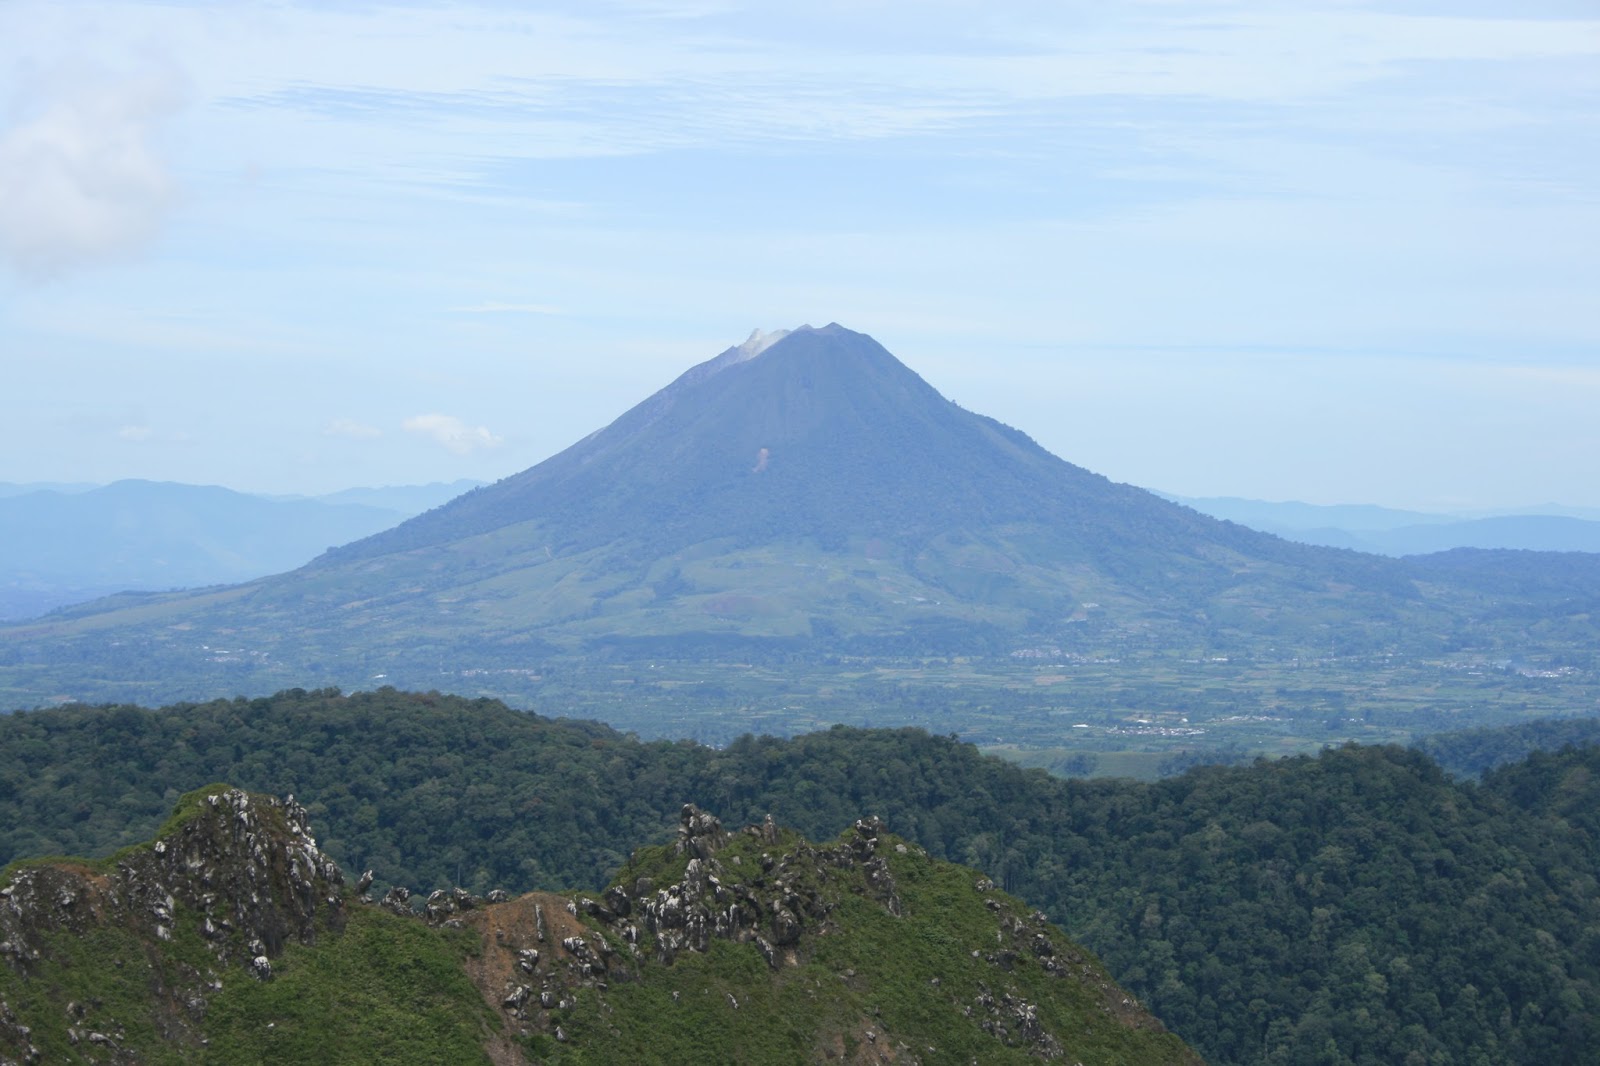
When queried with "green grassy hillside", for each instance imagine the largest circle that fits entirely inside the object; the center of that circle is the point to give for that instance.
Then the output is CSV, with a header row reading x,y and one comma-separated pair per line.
x,y
212,944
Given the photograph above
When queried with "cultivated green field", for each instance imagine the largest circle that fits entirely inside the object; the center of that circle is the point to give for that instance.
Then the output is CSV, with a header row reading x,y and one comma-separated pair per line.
x,y
1096,714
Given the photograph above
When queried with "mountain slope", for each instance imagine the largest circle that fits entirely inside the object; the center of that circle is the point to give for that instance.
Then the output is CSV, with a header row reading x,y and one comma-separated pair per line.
x,y
811,491
229,939
822,435
757,946
1254,908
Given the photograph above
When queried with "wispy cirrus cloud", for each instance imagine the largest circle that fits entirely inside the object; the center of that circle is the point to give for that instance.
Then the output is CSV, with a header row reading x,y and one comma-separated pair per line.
x,y
598,83
1114,102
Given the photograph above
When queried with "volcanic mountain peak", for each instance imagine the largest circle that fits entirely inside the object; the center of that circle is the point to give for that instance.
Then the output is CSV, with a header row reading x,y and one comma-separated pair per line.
x,y
826,415
819,436
760,341
808,488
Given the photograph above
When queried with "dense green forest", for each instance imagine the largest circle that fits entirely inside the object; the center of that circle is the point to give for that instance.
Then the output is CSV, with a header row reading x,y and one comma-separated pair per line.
x,y
1474,752
1361,906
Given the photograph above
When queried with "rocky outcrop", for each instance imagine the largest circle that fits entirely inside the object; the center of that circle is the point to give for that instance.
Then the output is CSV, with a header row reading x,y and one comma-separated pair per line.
x,y
549,947
771,902
244,867
240,870
859,928
17,1039
545,956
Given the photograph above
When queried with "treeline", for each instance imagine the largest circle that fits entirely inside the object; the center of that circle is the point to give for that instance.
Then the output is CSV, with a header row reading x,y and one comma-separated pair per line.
x,y
1474,752
1361,907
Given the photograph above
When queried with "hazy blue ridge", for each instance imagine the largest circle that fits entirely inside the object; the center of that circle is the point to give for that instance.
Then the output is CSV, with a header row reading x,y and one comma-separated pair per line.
x,y
65,547
1388,531
406,499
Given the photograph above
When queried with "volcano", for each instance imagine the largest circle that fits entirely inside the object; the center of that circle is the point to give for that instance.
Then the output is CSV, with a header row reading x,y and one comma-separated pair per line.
x,y
804,490
813,435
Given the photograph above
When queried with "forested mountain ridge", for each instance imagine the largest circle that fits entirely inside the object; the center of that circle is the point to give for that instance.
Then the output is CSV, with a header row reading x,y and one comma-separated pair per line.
x,y
1474,752
231,938
1360,906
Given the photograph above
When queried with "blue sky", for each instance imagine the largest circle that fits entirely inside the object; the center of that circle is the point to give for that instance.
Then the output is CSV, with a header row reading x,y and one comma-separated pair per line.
x,y
1337,252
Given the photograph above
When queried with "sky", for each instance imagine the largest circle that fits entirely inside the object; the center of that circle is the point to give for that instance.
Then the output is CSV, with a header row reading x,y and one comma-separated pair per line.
x,y
1338,252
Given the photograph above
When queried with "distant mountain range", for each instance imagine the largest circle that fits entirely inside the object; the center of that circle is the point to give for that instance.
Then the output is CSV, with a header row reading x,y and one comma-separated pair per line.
x,y
804,493
68,543
1393,532
71,542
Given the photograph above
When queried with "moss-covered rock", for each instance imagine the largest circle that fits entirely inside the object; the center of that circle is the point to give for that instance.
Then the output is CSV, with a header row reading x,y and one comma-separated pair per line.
x,y
759,947
115,960
231,939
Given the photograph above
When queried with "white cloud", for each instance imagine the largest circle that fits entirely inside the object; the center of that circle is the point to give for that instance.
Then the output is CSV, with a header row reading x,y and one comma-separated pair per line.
x,y
350,429
83,180
452,433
